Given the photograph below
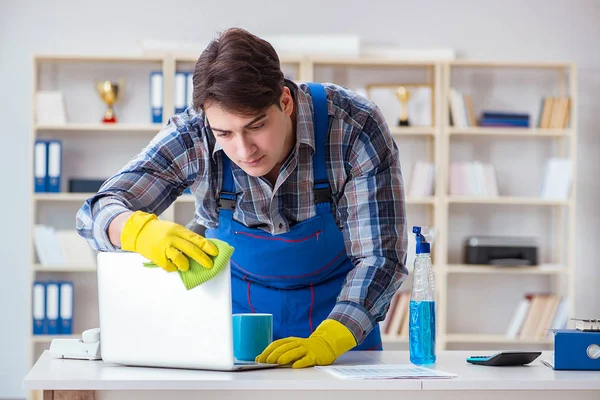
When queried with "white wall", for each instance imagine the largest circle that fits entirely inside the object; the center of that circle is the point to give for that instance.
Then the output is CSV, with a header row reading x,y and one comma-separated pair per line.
x,y
508,29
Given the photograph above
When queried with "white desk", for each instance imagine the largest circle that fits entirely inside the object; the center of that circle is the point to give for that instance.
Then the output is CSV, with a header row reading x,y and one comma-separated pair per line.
x,y
74,379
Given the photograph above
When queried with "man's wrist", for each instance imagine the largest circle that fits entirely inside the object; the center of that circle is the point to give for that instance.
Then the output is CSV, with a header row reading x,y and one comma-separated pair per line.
x,y
339,337
116,227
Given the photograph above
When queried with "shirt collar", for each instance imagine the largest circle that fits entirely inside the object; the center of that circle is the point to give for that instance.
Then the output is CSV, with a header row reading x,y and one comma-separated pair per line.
x,y
304,119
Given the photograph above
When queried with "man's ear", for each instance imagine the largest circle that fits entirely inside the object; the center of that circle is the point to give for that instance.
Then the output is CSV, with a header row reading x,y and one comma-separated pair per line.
x,y
287,101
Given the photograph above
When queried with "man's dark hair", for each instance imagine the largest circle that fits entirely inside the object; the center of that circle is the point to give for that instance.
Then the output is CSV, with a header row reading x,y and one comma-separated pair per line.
x,y
238,71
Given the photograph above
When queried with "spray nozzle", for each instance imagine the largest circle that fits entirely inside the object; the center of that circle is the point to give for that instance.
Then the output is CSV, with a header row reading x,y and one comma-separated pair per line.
x,y
422,246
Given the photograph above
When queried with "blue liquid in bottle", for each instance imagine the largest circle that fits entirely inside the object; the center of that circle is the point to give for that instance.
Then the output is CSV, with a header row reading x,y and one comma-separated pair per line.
x,y
421,327
422,332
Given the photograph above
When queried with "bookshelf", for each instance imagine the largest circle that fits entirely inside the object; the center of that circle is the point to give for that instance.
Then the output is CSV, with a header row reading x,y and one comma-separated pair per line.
x,y
92,149
500,85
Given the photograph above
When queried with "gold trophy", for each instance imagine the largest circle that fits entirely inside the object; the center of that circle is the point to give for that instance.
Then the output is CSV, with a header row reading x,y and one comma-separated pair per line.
x,y
109,92
403,95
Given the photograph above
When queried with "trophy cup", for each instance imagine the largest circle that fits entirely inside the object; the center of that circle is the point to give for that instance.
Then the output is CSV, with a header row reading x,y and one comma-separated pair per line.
x,y
403,95
109,92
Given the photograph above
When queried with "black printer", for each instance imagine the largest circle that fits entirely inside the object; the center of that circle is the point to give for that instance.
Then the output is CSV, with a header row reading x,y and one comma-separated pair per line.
x,y
501,250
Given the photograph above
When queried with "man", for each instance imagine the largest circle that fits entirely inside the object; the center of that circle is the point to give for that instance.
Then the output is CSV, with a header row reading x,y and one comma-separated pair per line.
x,y
303,181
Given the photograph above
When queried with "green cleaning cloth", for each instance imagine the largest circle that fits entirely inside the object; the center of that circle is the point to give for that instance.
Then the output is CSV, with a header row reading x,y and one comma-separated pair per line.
x,y
197,274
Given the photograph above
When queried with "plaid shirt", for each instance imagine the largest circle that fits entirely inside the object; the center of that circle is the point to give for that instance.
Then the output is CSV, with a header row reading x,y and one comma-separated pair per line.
x,y
364,175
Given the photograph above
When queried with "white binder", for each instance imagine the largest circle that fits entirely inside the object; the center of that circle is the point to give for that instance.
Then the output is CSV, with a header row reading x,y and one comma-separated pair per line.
x,y
156,97
39,307
66,308
52,302
54,165
190,89
180,92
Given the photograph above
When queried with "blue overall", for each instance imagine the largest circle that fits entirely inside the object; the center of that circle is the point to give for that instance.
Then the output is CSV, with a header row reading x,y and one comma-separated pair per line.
x,y
296,276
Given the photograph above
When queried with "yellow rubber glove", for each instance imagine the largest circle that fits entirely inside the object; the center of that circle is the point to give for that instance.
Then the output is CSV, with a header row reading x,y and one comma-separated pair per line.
x,y
165,243
330,340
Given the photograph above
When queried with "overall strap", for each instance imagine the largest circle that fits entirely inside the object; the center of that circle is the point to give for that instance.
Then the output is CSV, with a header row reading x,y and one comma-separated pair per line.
x,y
227,195
321,127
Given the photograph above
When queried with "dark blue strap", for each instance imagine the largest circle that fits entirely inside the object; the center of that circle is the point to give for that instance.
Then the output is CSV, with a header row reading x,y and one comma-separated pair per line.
x,y
227,196
321,125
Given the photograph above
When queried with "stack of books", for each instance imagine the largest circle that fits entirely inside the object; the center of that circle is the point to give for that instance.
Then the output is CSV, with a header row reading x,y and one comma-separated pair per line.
x,y
504,119
537,314
64,248
473,179
422,180
555,112
397,318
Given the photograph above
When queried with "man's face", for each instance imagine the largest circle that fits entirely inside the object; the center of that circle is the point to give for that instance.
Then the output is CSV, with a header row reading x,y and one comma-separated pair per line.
x,y
256,143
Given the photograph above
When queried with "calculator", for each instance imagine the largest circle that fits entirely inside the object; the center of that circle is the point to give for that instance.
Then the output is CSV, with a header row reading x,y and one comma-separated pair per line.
x,y
505,358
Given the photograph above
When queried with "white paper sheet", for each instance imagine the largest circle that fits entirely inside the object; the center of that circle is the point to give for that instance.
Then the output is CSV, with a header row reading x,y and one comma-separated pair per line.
x,y
385,371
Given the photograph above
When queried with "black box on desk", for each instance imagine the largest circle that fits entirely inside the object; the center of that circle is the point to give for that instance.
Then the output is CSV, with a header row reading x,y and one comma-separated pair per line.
x,y
85,185
500,250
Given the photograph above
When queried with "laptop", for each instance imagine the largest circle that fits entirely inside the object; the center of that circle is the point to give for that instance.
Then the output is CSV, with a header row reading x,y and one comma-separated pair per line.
x,y
148,318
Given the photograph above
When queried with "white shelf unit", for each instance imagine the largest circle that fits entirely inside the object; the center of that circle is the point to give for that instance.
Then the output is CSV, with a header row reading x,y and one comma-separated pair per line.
x,y
491,284
93,150
90,149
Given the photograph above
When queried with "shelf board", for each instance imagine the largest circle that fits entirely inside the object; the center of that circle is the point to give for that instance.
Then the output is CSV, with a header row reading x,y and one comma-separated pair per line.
x,y
411,131
283,59
48,338
92,127
487,338
493,269
63,196
95,58
510,132
370,61
64,268
509,64
420,200
509,200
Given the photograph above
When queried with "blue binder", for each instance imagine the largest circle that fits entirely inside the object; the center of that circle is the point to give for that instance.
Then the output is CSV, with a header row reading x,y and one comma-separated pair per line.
x,y
65,315
52,307
156,96
576,350
54,165
40,166
39,308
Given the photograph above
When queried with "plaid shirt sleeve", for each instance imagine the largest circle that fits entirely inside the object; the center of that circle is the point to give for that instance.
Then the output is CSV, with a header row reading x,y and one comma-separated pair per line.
x,y
150,182
372,211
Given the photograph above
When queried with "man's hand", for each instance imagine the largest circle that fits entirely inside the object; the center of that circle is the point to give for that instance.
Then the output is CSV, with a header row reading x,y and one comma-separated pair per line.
x,y
330,340
165,243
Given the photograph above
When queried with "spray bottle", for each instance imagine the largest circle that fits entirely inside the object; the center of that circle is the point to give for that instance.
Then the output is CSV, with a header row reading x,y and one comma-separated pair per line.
x,y
422,305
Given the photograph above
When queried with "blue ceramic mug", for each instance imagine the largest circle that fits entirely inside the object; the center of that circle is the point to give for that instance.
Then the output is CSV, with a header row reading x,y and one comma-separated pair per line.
x,y
252,333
